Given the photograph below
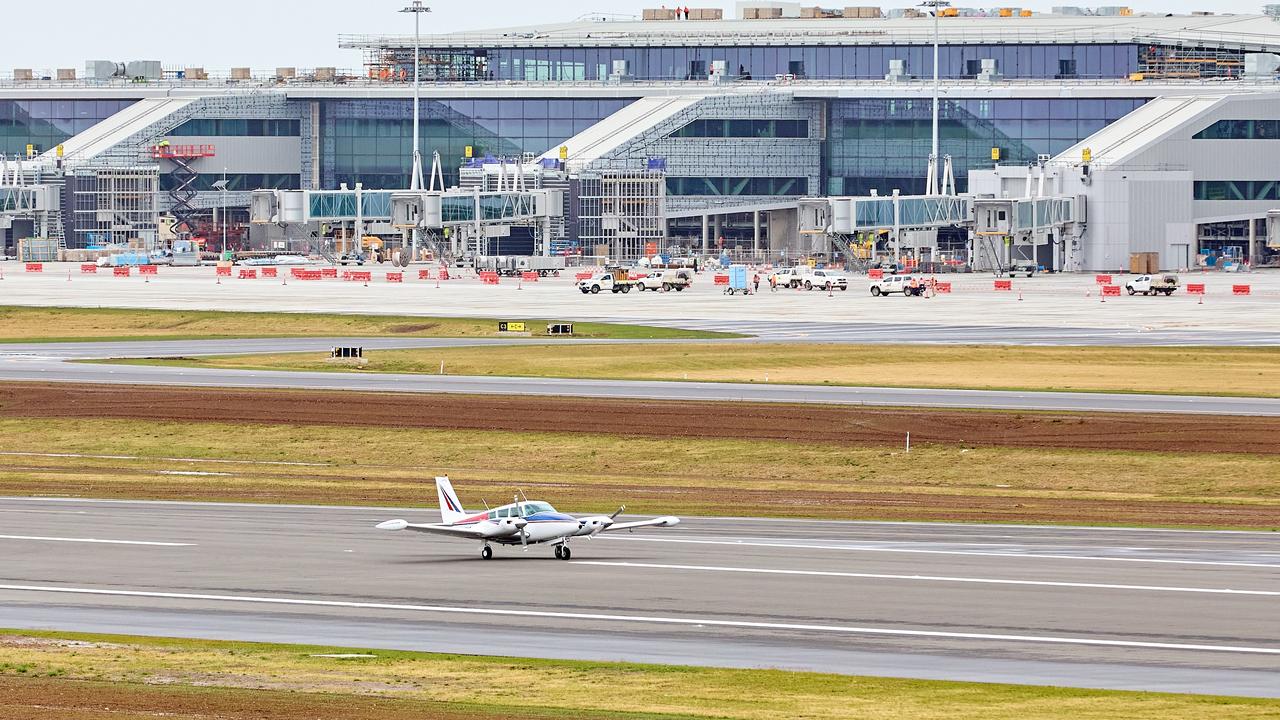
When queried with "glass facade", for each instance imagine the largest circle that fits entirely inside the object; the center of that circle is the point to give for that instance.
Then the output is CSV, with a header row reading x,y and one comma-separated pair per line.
x,y
1240,130
737,186
1043,61
48,123
370,141
1236,190
744,129
883,144
223,127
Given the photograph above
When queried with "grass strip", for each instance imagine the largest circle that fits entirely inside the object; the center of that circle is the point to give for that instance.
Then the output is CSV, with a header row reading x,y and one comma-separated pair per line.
x,y
556,688
1245,372
596,472
62,324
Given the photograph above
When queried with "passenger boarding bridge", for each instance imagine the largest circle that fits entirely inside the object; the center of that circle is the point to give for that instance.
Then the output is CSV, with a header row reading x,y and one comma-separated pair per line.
x,y
466,216
998,231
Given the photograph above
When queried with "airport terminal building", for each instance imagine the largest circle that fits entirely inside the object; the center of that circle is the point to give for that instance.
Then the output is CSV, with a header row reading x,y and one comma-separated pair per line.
x,y
715,128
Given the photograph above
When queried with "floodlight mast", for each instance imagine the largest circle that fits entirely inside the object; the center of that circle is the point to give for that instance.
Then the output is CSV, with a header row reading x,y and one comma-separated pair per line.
x,y
415,179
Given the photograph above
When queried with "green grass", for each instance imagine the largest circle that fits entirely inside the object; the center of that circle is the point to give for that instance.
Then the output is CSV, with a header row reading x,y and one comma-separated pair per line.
x,y
32,324
573,688
594,472
1197,371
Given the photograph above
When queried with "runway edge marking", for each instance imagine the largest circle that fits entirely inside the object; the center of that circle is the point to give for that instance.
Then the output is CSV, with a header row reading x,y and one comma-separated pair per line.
x,y
681,621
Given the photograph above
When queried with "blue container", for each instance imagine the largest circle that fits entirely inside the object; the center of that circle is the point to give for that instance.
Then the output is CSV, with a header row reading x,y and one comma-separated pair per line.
x,y
738,278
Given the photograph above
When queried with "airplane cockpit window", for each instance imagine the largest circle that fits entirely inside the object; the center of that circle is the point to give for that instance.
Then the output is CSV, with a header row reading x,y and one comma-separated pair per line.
x,y
537,507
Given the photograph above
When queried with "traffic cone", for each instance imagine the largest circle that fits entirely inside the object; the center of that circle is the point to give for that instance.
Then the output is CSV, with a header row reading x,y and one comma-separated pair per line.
x,y
1019,296
1201,300
68,276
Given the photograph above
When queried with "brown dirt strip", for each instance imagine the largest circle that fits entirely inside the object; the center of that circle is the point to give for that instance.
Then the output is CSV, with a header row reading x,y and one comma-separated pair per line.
x,y
44,699
807,423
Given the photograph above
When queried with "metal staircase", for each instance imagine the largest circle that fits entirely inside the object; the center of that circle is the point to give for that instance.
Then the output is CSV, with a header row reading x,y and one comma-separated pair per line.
x,y
183,176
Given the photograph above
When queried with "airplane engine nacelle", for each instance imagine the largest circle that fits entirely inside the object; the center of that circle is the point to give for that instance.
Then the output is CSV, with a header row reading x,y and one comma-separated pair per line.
x,y
505,527
593,525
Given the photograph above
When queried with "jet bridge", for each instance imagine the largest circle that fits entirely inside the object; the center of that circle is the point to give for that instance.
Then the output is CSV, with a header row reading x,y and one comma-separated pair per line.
x,y
1000,231
467,216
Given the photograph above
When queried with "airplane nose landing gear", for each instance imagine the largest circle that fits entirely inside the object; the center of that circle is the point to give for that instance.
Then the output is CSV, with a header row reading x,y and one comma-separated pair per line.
x,y
486,553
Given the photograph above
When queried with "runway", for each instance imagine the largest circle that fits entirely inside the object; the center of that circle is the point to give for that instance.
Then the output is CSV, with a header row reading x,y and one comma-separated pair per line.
x,y
1106,608
35,362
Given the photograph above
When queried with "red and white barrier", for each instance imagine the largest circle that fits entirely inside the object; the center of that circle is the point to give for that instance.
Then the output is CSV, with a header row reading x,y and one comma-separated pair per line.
x,y
875,274
247,274
223,272
35,267
529,276
269,272
121,271
395,277
1195,288
1003,285
1241,290
148,269
1111,291
88,269
1102,279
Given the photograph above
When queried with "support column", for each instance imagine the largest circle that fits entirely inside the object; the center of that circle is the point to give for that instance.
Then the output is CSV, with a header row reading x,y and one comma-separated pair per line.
x,y
706,241
719,225
755,234
1253,241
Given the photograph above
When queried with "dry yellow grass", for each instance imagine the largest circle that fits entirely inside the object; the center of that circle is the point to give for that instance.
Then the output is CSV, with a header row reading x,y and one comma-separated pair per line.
x,y
585,472
1215,371
569,687
33,324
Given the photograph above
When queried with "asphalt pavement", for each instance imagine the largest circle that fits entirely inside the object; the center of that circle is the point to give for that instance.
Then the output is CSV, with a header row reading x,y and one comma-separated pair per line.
x,y
1161,610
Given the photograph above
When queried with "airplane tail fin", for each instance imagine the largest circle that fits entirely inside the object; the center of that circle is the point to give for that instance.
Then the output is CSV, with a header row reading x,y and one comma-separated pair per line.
x,y
450,507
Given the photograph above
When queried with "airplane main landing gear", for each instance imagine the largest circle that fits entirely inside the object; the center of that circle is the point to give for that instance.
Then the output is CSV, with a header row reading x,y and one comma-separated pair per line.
x,y
486,553
562,552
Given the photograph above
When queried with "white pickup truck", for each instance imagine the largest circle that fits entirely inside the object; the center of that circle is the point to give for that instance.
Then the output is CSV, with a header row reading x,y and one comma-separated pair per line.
x,y
666,280
792,277
616,281
1152,284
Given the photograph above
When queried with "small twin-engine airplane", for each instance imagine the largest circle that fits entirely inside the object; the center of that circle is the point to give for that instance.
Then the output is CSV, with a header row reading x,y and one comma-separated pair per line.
x,y
520,523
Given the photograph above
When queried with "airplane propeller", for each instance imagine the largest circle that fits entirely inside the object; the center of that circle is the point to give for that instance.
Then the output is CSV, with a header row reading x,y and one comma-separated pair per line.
x,y
524,536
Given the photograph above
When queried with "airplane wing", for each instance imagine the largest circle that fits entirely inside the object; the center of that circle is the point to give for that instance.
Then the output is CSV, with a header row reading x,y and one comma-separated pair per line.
x,y
666,521
448,530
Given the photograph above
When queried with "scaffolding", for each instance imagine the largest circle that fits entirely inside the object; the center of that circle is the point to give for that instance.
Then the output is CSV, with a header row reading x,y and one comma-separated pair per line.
x,y
1176,62
114,206
621,214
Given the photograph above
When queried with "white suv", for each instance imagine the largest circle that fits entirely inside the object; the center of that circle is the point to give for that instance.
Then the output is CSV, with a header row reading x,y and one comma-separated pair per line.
x,y
826,280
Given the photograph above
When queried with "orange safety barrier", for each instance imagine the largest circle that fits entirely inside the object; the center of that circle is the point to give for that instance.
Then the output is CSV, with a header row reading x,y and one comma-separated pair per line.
x,y
268,272
721,280
1111,290
424,274
1102,279
582,276
329,273
1004,285
148,269
488,277
122,271
300,274
35,267
1240,289
444,273
395,277
89,269
356,275
223,272
248,274
942,287
1195,288
875,274
530,276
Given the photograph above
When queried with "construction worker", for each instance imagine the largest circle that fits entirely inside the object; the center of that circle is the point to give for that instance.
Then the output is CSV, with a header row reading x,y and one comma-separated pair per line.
x,y
756,280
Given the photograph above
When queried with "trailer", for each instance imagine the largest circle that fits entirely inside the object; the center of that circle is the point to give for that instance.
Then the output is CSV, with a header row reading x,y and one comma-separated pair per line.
x,y
739,281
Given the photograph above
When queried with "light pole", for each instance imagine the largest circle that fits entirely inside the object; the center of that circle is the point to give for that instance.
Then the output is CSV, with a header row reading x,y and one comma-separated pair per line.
x,y
932,178
415,179
221,187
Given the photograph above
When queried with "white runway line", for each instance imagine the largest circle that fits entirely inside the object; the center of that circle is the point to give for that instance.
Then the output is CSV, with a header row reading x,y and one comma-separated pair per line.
x,y
95,540
932,578
680,621
864,548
